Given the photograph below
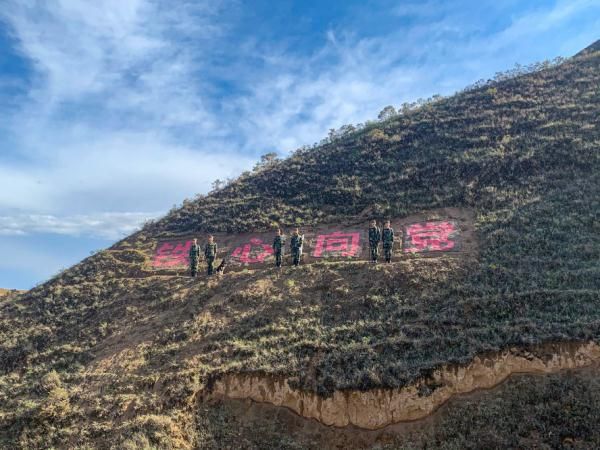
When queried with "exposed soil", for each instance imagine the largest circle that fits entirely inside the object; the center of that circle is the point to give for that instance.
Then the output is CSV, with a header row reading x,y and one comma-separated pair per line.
x,y
378,408
310,433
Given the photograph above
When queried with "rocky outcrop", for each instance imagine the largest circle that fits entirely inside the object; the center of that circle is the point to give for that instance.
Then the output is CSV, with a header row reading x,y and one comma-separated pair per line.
x,y
377,408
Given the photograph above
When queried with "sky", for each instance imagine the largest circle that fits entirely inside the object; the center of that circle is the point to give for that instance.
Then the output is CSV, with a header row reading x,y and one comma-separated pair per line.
x,y
112,111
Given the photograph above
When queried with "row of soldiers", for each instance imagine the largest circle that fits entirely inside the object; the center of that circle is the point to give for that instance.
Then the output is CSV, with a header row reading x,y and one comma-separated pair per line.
x,y
376,235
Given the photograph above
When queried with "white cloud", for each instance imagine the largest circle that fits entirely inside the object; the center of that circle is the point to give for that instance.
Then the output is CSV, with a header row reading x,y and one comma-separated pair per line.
x,y
122,171
103,225
351,78
115,118
534,25
82,48
113,59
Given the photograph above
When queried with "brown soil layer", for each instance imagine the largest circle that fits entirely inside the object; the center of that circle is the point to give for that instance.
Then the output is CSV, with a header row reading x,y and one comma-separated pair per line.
x,y
379,408
472,420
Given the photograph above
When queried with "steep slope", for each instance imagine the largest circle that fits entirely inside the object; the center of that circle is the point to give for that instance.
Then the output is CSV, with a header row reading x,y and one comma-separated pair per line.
x,y
115,352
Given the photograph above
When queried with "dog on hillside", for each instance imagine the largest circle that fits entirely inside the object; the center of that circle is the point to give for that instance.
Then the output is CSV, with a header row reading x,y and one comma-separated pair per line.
x,y
221,267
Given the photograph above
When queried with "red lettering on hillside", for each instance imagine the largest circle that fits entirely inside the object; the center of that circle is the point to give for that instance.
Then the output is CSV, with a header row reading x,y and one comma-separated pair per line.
x,y
171,254
255,251
337,244
429,237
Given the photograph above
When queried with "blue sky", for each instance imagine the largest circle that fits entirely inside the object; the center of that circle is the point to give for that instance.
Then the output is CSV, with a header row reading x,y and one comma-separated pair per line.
x,y
113,111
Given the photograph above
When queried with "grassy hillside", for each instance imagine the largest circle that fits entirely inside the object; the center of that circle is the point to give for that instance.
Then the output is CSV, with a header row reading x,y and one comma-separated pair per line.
x,y
111,353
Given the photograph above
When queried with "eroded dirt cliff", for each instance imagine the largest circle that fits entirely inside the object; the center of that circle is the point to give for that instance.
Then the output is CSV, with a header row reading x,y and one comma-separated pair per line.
x,y
378,408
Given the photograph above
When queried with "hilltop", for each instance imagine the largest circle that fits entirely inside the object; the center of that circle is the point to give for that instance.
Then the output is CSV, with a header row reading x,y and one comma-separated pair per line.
x,y
8,292
119,352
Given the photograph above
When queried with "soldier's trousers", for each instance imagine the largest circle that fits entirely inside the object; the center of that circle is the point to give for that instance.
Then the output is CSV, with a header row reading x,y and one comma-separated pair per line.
x,y
209,264
296,258
387,251
374,252
278,259
193,268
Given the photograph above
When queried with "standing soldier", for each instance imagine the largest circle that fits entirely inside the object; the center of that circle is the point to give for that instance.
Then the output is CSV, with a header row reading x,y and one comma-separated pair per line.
x,y
374,238
210,253
387,237
278,244
194,258
296,246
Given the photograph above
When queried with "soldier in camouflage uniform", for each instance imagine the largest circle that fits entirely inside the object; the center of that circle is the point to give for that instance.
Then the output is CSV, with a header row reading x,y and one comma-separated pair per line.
x,y
210,253
387,237
194,258
296,246
374,238
278,244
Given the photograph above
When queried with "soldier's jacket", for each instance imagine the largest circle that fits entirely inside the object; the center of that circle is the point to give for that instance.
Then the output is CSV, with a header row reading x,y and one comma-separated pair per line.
x,y
374,236
195,252
278,243
210,250
387,236
297,242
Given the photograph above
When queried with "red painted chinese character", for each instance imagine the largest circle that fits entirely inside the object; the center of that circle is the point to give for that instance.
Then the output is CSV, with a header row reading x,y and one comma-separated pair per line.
x,y
172,254
337,244
429,236
256,251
